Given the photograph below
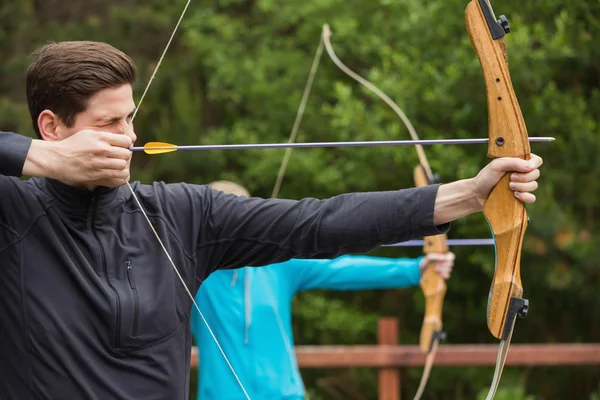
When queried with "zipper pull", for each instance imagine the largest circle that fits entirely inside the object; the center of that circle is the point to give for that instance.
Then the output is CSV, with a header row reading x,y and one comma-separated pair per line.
x,y
129,276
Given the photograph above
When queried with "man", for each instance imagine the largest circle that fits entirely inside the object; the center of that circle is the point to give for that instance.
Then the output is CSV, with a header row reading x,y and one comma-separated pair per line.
x,y
90,306
249,311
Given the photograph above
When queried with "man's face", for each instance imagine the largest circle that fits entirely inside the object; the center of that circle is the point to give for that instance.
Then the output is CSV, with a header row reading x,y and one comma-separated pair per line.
x,y
109,110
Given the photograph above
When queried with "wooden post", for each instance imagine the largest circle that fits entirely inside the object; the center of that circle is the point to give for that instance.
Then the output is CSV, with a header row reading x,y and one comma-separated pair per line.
x,y
389,378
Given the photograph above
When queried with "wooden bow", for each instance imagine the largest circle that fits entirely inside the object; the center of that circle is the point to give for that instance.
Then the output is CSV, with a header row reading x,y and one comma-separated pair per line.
x,y
505,214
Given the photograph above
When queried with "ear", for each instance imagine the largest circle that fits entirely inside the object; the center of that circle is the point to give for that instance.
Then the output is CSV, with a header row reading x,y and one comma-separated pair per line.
x,y
50,126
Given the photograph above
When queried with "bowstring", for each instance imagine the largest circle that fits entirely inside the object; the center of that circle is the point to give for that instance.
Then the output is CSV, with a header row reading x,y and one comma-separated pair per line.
x,y
189,293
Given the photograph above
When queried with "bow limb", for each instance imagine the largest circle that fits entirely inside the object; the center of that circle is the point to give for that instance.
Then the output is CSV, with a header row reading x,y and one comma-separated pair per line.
x,y
409,126
505,214
139,204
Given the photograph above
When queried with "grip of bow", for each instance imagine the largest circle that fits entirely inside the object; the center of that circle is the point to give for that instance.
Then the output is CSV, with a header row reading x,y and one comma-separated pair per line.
x,y
508,137
432,284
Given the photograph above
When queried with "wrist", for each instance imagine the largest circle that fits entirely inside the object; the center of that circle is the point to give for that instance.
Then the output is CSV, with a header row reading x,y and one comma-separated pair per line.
x,y
38,161
422,264
473,199
455,200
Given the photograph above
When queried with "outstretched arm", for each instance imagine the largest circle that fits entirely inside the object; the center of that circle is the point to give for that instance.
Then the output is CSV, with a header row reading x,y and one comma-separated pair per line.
x,y
353,273
254,232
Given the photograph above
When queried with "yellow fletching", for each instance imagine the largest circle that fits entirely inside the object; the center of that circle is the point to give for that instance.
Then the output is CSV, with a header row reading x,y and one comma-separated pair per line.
x,y
159,148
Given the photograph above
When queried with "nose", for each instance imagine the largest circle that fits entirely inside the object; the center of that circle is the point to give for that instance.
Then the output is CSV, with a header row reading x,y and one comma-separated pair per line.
x,y
131,134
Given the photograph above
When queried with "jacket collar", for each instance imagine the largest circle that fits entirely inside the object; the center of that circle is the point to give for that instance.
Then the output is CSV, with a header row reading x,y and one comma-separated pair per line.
x,y
78,199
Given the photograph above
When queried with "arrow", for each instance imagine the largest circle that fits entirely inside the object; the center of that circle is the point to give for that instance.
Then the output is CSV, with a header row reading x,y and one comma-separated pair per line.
x,y
161,147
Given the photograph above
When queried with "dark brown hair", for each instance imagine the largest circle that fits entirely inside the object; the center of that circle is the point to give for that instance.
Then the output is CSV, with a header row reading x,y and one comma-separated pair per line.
x,y
65,75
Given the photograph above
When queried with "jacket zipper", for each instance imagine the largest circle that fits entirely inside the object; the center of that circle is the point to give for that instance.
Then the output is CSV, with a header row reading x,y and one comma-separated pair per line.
x,y
136,300
104,267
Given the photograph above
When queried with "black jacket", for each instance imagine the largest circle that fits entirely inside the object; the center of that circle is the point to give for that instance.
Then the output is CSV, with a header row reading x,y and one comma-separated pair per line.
x,y
90,307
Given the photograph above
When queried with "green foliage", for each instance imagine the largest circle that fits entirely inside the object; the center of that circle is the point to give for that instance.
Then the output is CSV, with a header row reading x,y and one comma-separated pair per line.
x,y
236,73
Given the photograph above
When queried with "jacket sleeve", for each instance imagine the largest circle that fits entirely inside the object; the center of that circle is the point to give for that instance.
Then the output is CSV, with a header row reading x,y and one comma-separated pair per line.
x,y
13,152
353,273
233,232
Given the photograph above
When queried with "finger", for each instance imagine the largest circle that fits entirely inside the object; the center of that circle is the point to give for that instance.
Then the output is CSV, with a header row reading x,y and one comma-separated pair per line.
x,y
443,273
528,177
110,164
524,187
118,140
536,159
119,153
122,174
449,267
105,150
104,174
440,256
443,269
444,266
527,198
434,256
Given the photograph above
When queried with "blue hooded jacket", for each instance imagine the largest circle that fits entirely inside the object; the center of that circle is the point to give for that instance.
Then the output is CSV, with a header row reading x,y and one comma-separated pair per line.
x,y
249,311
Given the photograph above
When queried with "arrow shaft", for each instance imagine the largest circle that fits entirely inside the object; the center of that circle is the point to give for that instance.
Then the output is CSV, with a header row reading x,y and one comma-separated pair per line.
x,y
373,143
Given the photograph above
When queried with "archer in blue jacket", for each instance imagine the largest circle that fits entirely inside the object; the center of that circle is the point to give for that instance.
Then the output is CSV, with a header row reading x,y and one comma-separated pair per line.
x,y
249,311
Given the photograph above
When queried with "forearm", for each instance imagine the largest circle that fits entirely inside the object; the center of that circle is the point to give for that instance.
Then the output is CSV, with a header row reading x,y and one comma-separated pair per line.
x,y
455,200
14,151
260,232
354,273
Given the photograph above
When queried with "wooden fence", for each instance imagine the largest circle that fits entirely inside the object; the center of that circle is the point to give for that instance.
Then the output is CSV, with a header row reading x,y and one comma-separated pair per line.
x,y
388,356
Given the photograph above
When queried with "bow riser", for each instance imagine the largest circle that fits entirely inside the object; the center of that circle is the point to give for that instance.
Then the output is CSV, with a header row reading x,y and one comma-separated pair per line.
x,y
432,284
508,138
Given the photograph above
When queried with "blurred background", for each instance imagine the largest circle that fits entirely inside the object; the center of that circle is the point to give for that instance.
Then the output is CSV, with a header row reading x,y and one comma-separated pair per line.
x,y
235,74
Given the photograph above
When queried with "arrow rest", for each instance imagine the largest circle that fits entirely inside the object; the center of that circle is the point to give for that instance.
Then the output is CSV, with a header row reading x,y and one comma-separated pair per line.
x,y
517,307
